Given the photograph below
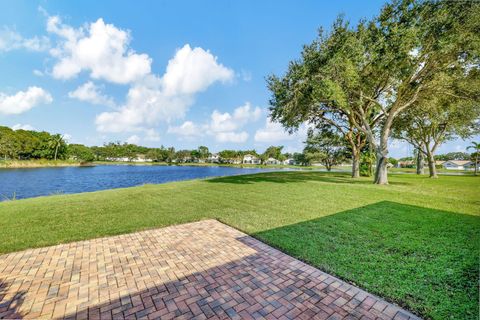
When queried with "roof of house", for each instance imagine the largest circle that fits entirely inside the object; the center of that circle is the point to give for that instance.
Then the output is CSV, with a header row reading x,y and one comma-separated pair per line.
x,y
249,155
458,162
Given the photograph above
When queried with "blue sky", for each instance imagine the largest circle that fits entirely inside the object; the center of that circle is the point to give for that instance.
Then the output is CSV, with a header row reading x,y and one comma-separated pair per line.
x,y
176,73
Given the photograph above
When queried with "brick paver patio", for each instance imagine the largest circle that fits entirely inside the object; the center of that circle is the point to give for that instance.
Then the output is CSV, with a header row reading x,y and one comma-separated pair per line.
x,y
198,270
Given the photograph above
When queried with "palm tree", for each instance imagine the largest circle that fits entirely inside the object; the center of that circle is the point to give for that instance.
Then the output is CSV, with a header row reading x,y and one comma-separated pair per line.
x,y
55,142
475,146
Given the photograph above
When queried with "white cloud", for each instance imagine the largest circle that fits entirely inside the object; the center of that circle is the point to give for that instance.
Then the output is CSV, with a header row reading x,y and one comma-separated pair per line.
x,y
155,99
19,126
221,122
12,40
234,137
133,139
67,137
273,132
187,129
192,71
152,135
38,73
90,92
224,126
23,100
246,75
99,48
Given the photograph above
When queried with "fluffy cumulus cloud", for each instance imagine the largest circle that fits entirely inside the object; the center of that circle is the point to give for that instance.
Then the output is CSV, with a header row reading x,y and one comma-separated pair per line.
x,y
133,139
12,40
98,48
155,99
235,137
192,71
19,126
187,129
152,135
273,132
223,122
224,127
23,101
89,92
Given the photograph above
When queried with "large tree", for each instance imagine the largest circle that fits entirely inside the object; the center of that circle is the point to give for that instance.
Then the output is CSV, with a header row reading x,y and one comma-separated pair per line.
x,y
372,73
325,146
435,119
315,89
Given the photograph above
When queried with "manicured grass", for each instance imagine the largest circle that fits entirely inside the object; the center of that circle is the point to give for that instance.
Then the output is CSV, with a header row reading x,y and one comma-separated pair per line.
x,y
415,242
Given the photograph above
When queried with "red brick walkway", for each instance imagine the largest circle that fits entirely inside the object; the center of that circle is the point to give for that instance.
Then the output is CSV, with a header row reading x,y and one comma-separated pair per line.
x,y
198,270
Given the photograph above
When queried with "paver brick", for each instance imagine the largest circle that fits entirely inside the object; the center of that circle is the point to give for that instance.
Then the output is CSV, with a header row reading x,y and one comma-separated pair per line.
x,y
198,270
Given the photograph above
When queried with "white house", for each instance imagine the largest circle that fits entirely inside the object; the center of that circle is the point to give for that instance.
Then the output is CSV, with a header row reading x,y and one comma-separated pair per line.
x,y
250,159
138,158
458,165
273,161
289,161
213,158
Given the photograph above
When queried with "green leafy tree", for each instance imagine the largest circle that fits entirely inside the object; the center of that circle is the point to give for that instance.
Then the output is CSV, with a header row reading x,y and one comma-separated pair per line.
x,y
325,146
434,119
410,50
58,146
203,152
80,152
273,152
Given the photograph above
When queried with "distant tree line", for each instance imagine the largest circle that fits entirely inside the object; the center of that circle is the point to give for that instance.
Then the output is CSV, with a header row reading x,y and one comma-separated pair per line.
x,y
27,144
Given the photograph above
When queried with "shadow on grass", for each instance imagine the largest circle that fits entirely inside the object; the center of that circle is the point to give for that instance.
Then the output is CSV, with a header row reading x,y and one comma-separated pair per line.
x,y
294,176
424,259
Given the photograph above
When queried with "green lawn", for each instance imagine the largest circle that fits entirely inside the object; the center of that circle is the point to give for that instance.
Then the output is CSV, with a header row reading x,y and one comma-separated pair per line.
x,y
415,242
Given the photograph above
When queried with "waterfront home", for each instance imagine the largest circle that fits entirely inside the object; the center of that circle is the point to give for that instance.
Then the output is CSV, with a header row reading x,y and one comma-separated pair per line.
x,y
250,159
273,161
213,158
138,158
458,165
289,162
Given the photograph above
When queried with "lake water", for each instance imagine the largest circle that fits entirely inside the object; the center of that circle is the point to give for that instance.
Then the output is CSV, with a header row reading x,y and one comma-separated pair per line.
x,y
27,183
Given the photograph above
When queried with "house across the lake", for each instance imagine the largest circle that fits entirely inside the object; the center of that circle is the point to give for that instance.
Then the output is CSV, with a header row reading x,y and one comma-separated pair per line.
x,y
250,159
458,165
273,161
138,158
213,158
289,161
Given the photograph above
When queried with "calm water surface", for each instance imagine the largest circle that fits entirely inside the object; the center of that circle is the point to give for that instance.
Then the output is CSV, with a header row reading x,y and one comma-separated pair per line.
x,y
27,183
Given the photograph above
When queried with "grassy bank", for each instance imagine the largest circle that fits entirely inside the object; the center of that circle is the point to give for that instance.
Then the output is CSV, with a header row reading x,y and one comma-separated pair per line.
x,y
38,163
206,165
414,242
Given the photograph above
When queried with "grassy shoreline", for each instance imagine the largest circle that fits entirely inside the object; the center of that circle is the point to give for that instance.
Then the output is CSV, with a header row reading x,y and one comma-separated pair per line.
x,y
415,242
43,163
40,163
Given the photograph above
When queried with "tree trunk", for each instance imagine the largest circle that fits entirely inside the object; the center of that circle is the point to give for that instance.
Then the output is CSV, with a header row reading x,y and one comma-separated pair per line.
x,y
356,164
431,166
420,163
56,152
381,176
476,164
328,166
